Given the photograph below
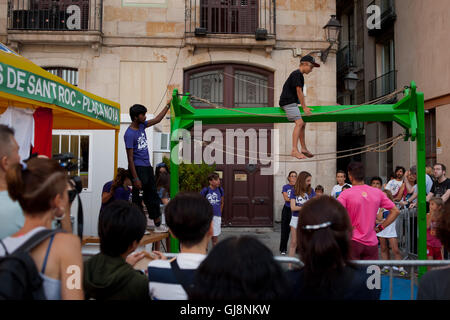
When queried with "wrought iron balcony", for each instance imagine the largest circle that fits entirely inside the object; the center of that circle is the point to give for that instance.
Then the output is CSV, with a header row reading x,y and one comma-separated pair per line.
x,y
255,17
383,85
62,15
346,58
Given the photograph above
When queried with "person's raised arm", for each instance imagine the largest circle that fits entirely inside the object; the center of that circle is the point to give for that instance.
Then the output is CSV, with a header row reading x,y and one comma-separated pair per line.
x,y
159,117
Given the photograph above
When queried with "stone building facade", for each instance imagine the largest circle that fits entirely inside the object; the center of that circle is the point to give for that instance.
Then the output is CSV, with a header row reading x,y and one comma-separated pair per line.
x,y
138,51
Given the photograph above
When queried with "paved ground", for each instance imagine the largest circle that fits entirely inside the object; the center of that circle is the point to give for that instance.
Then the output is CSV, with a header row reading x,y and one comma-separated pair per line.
x,y
269,236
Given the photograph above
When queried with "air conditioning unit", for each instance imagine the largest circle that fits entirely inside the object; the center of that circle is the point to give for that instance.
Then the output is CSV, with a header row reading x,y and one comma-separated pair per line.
x,y
161,142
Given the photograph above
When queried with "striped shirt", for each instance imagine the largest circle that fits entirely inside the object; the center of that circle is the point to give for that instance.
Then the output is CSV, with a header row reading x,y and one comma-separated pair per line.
x,y
162,282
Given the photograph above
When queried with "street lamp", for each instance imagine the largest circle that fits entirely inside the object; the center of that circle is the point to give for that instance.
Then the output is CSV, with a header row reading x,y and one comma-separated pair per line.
x,y
332,29
350,81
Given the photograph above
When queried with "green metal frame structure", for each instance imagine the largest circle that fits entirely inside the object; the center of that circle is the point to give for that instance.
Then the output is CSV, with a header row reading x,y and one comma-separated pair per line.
x,y
408,112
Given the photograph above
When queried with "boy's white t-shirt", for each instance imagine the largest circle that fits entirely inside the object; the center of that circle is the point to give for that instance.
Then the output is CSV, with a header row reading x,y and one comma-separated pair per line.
x,y
337,189
394,186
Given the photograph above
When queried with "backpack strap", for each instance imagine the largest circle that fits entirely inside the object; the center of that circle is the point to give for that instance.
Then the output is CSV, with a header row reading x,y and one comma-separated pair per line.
x,y
180,276
4,248
37,239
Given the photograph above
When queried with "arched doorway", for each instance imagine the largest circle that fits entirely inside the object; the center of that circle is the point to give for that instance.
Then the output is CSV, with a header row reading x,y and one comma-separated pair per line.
x,y
248,193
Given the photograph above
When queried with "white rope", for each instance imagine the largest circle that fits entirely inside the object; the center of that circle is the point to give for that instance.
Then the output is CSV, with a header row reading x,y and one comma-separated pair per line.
x,y
378,149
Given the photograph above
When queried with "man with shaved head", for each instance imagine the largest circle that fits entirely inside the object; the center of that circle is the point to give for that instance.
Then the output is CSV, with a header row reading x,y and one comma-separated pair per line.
x,y
11,215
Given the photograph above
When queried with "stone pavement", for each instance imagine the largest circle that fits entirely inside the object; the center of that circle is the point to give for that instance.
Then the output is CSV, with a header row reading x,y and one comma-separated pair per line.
x,y
269,236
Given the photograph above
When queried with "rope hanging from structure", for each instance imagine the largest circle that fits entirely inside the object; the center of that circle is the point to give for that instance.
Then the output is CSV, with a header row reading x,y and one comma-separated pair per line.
x,y
389,144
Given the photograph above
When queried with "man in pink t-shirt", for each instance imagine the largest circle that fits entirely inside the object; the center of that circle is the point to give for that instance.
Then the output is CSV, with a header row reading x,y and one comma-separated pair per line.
x,y
362,203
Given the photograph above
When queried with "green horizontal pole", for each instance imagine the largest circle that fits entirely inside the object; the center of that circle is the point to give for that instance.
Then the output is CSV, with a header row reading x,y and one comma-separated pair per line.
x,y
277,115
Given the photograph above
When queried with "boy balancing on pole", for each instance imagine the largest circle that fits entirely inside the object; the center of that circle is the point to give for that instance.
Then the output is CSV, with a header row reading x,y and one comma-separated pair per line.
x,y
291,96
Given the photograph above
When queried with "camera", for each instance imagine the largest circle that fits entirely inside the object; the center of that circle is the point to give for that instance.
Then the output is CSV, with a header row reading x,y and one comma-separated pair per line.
x,y
66,161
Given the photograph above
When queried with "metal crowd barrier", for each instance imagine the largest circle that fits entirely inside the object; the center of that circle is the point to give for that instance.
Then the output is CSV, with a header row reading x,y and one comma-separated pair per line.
x,y
407,232
412,264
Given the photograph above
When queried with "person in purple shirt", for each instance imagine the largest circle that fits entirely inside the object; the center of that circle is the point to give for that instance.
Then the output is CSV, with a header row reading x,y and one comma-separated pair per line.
x,y
214,194
286,213
118,189
144,186
302,193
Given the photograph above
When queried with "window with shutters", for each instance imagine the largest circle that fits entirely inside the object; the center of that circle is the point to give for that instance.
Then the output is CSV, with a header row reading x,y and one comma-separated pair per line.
x,y
229,16
68,74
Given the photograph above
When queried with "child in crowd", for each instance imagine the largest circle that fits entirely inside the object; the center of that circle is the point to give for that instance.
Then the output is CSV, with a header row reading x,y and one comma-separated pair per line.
x,y
286,213
340,179
109,275
214,194
163,189
319,190
376,182
434,246
189,218
388,238
303,192
435,284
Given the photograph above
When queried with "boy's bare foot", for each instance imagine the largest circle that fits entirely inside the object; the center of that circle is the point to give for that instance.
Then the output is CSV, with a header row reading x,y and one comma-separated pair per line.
x,y
298,155
307,153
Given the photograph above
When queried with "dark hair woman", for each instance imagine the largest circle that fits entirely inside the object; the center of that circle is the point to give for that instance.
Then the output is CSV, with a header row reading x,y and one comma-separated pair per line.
x,y
324,235
249,272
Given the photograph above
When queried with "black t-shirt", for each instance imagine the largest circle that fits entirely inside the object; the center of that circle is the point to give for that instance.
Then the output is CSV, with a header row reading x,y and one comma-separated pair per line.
x,y
289,93
439,189
435,285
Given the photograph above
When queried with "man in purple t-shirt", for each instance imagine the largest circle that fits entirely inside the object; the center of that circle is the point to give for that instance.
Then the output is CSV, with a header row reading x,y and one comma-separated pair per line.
x,y
144,185
362,203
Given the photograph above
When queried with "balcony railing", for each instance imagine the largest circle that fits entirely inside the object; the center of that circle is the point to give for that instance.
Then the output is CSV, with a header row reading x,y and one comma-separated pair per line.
x,y
346,58
383,85
231,17
62,15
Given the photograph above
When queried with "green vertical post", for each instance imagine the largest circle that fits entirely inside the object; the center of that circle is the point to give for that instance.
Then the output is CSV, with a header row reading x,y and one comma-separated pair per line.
x,y
174,169
421,183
